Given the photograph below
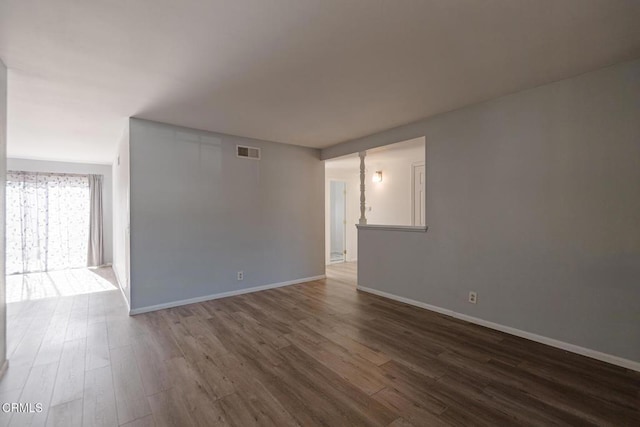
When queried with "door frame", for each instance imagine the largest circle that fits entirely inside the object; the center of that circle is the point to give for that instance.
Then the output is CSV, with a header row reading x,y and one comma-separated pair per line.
x,y
414,165
344,228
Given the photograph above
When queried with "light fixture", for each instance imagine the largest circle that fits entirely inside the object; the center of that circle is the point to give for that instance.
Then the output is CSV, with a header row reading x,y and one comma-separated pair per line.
x,y
377,176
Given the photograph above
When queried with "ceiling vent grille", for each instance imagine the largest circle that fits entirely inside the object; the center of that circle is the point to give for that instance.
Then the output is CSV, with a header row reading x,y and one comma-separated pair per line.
x,y
248,152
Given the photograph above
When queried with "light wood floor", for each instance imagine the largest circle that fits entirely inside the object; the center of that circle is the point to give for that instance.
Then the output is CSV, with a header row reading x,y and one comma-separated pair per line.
x,y
62,283
319,353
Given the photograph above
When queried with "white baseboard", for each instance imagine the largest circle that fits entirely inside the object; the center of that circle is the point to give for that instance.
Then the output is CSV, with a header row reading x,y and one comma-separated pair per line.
x,y
604,357
3,368
126,301
222,295
106,264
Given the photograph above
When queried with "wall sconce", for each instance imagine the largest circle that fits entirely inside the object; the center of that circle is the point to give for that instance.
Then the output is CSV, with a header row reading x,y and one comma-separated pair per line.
x,y
377,176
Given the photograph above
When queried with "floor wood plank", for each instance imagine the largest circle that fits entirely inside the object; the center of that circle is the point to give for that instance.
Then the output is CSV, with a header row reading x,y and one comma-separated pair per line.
x,y
131,401
38,389
99,402
70,378
67,414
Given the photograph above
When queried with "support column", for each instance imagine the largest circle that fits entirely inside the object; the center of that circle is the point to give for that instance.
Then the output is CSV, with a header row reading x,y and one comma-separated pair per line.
x,y
363,218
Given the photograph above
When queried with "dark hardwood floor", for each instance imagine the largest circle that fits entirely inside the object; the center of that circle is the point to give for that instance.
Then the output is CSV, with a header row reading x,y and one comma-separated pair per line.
x,y
318,353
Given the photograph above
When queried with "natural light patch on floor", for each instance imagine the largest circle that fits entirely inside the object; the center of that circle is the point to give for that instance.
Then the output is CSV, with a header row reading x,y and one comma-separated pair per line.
x,y
33,286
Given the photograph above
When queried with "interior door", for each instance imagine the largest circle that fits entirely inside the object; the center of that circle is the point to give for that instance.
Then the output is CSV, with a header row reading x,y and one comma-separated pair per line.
x,y
419,195
338,217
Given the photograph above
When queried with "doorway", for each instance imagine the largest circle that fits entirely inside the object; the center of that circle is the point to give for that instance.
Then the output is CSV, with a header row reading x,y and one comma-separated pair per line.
x,y
338,221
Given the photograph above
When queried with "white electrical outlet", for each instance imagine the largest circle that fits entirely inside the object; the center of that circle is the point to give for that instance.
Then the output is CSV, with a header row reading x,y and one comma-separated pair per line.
x,y
473,297
240,275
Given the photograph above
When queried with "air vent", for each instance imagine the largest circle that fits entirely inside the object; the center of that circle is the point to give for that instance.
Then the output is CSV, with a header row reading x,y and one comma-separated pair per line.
x,y
248,152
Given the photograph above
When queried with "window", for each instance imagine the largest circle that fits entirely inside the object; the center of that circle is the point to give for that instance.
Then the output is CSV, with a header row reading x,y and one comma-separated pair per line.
x,y
47,221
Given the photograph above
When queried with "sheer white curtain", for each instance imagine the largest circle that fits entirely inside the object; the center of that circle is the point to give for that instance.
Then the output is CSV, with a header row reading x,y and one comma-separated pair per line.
x,y
95,254
47,221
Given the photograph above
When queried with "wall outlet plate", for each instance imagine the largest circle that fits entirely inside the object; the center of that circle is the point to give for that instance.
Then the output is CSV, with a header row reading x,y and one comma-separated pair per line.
x,y
240,275
473,297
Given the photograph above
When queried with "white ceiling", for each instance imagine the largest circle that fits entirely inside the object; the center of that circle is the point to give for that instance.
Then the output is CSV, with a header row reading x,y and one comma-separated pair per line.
x,y
307,72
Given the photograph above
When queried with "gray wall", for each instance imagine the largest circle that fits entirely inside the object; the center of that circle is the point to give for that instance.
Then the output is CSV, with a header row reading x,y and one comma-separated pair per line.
x,y
3,158
533,201
199,214
80,168
121,191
